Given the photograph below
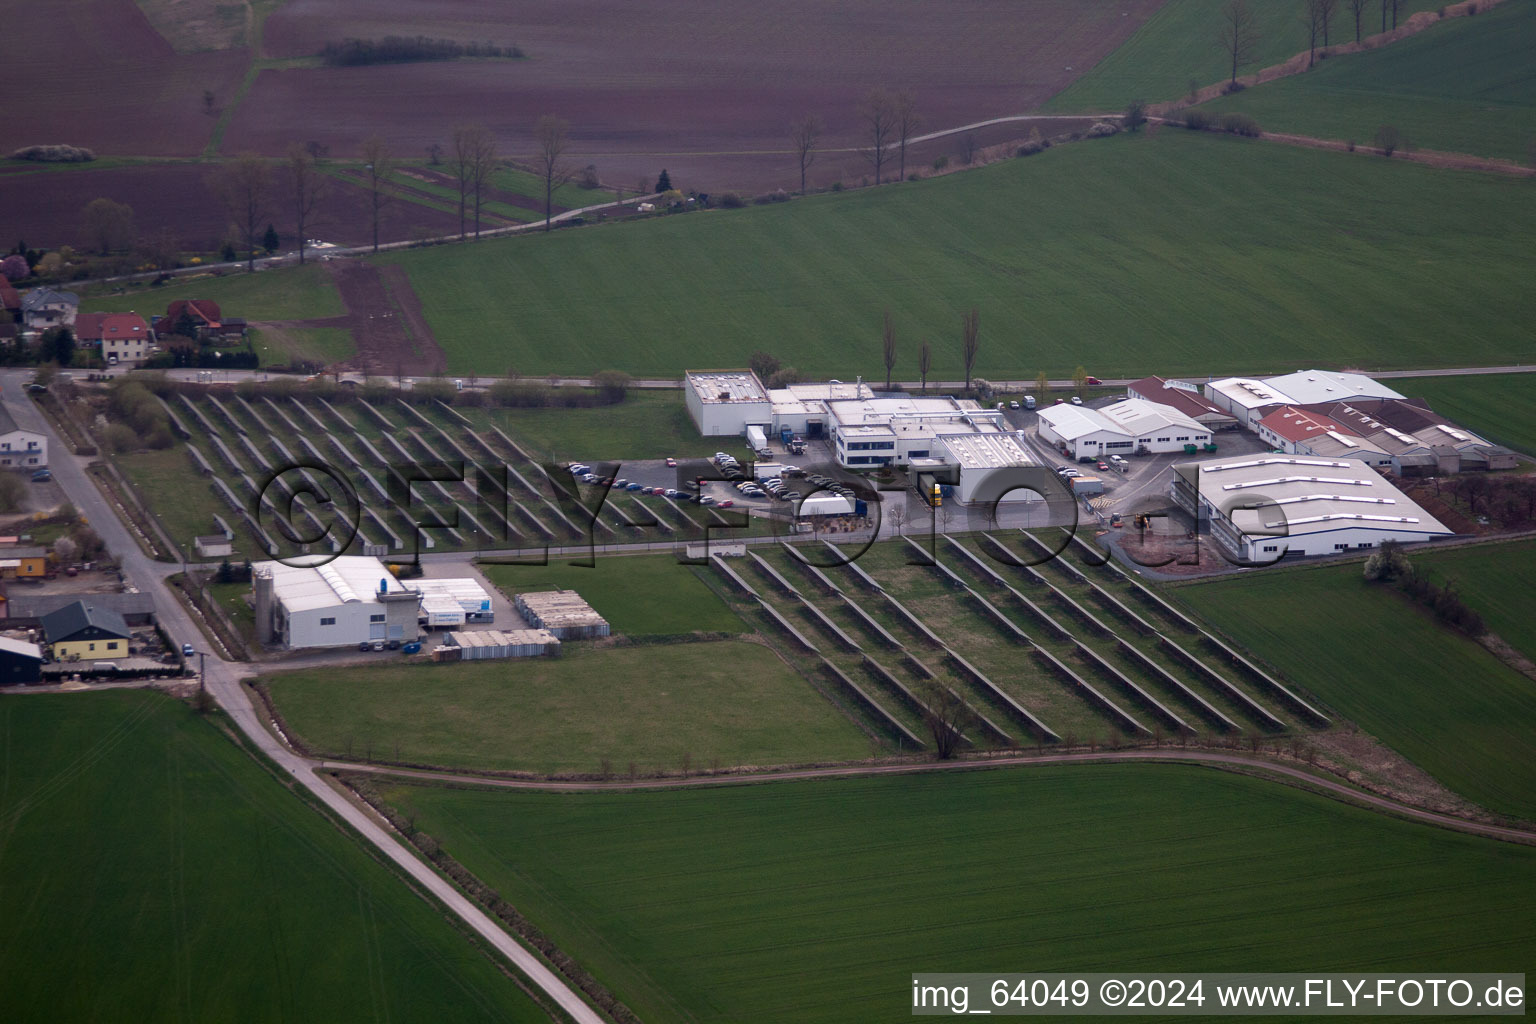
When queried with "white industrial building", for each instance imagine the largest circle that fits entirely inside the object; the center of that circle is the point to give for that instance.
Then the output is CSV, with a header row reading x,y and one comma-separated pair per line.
x,y
984,461
1247,399
1133,426
1183,396
338,603
1314,387
451,602
1270,507
866,430
727,402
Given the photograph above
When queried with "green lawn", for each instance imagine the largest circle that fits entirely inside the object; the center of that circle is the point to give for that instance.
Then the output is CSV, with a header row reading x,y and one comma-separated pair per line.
x,y
1179,43
183,501
524,183
1433,695
1176,253
726,702
282,346
1500,407
814,902
285,293
1495,579
646,425
150,870
1465,87
638,594
232,598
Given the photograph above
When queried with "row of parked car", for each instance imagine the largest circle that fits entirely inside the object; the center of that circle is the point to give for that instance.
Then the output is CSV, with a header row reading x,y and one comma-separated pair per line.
x,y
585,475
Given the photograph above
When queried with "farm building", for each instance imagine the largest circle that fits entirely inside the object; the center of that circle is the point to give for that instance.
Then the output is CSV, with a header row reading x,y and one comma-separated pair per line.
x,y
1133,425
28,610
1312,387
20,662
115,337
339,603
20,449
1247,399
563,613
1184,397
214,545
495,643
1282,506
85,631
726,403
451,602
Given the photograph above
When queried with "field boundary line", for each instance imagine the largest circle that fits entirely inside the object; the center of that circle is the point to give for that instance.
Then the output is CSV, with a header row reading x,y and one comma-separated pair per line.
x,y
1234,762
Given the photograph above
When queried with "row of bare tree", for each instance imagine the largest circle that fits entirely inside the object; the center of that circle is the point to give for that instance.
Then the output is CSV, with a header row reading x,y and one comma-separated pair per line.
x,y
970,344
250,184
1239,35
889,120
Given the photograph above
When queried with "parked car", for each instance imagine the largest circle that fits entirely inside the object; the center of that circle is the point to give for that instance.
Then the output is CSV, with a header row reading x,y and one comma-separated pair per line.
x,y
671,462
1102,467
620,483
187,650
577,469
41,476
727,503
1076,400
1013,405
633,487
705,499
413,647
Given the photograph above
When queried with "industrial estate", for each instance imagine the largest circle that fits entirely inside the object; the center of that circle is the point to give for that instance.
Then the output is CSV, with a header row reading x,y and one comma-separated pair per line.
x,y
496,587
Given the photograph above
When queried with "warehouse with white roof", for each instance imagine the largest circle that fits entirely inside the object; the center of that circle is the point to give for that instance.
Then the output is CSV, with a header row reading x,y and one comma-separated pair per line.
x,y
1271,507
1313,387
1247,399
1132,426
338,603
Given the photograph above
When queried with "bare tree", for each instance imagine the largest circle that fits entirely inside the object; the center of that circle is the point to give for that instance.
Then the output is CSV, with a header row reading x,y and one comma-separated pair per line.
x,y
1390,5
243,184
460,163
888,348
379,165
482,164
107,224
550,133
878,113
970,328
1326,8
898,513
804,134
1312,18
908,121
1357,11
946,715
925,362
308,188
1239,35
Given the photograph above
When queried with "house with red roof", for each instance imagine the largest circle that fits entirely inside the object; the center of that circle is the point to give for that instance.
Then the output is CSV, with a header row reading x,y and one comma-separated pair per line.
x,y
116,337
1182,397
10,301
204,319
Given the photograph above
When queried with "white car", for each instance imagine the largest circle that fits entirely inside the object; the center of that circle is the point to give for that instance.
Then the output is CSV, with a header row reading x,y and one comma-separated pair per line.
x,y
1076,400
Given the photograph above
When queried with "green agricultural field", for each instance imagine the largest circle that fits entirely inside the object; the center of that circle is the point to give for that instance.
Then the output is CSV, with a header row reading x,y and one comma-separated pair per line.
x,y
1462,87
524,183
815,902
1495,579
285,346
722,703
1500,407
1179,44
646,425
639,595
183,503
284,293
150,870
1433,695
1128,255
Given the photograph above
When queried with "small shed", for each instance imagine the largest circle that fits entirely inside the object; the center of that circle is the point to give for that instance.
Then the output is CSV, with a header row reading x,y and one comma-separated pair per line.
x,y
214,545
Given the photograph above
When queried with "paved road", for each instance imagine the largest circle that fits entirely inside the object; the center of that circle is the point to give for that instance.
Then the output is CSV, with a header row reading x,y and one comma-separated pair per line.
x,y
674,384
223,679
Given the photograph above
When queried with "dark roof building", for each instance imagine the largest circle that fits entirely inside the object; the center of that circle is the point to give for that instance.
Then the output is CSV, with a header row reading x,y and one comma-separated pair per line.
x,y
1183,397
25,609
20,662
83,621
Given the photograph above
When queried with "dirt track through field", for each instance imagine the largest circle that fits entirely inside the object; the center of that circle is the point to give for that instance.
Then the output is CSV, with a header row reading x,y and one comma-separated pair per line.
x,y
392,333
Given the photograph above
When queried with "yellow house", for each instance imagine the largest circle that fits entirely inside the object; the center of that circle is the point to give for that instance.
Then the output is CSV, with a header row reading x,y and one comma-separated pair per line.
x,y
26,563
83,632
